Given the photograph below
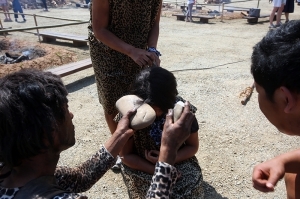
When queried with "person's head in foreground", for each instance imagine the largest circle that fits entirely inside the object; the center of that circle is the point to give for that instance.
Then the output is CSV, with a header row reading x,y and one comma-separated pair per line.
x,y
276,71
34,116
158,87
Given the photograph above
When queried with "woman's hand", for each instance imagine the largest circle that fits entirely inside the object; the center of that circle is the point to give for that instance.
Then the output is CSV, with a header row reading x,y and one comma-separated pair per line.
x,y
144,58
120,137
152,156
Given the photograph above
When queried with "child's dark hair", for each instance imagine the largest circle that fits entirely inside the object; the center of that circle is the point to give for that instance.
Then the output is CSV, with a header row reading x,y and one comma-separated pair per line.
x,y
157,86
32,103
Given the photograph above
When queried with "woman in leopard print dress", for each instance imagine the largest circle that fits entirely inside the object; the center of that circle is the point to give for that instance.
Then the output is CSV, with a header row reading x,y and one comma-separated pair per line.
x,y
121,32
157,87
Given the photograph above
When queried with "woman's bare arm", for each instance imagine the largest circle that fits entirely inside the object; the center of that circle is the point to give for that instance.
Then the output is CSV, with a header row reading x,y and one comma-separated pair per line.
x,y
100,22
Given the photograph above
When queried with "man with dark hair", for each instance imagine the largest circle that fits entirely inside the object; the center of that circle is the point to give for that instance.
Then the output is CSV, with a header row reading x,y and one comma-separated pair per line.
x,y
276,71
36,126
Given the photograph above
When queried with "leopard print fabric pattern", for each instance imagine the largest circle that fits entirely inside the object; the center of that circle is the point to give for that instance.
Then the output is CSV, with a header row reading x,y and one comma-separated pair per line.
x,y
165,177
83,177
78,179
189,185
131,21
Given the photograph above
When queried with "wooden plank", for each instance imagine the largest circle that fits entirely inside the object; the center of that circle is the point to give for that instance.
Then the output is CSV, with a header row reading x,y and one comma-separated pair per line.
x,y
255,19
203,18
64,36
71,68
236,9
261,16
78,40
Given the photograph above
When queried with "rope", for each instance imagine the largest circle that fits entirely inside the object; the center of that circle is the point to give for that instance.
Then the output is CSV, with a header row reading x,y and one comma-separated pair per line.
x,y
191,69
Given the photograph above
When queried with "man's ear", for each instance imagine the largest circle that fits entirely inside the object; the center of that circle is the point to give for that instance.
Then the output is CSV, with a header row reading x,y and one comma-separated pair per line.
x,y
290,99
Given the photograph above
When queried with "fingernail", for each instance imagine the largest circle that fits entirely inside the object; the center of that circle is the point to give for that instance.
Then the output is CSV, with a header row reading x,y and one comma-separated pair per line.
x,y
186,103
270,185
170,111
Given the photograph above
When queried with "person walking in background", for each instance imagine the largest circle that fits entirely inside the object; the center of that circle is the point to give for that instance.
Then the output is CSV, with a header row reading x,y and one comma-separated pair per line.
x,y
45,5
288,8
190,4
5,9
17,8
278,7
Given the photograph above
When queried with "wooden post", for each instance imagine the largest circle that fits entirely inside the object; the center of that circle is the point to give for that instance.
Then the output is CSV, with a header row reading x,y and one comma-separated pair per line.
x,y
37,30
2,28
222,11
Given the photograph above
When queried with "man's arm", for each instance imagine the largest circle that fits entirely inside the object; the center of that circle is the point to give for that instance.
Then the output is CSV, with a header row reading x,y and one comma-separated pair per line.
x,y
266,175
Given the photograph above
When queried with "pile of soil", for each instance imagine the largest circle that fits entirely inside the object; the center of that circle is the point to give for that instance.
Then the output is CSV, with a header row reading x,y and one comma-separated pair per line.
x,y
42,56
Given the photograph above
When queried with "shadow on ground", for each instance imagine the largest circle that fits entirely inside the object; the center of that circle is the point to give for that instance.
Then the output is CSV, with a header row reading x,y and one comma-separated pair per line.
x,y
211,193
81,83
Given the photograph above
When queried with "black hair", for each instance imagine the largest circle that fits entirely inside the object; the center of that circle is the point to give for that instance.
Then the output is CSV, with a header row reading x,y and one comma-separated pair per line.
x,y
276,61
157,86
32,104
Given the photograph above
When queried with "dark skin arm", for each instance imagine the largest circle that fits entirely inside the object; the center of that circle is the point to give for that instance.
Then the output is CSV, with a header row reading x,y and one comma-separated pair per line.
x,y
100,16
174,134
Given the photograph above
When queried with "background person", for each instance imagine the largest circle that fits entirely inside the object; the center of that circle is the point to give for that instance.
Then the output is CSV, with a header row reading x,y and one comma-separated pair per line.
x,y
18,8
288,8
278,6
275,68
190,4
5,9
45,5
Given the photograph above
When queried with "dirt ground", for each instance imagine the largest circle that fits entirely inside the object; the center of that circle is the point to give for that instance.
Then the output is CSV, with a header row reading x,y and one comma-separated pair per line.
x,y
212,65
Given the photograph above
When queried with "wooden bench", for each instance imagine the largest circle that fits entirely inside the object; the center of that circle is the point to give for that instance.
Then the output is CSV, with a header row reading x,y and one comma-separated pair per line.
x,y
255,19
71,68
4,33
185,7
78,40
203,18
236,9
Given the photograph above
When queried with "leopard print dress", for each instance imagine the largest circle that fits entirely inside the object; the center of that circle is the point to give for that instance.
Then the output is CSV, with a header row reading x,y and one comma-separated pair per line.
x,y
189,185
131,21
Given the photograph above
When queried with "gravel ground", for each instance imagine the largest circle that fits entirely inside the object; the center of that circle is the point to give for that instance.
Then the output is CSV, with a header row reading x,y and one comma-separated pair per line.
x,y
212,65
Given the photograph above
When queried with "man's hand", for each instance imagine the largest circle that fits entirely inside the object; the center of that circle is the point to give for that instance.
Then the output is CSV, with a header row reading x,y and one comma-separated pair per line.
x,y
174,134
266,175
